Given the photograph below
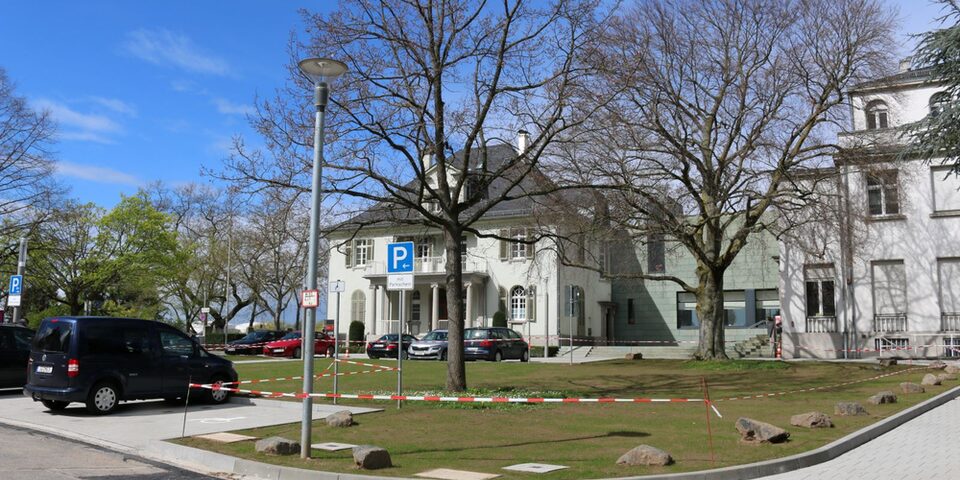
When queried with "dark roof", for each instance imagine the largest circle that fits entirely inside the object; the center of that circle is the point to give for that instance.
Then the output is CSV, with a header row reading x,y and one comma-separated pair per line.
x,y
897,79
387,213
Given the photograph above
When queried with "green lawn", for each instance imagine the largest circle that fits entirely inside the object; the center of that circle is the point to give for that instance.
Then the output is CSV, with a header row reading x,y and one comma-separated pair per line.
x,y
586,437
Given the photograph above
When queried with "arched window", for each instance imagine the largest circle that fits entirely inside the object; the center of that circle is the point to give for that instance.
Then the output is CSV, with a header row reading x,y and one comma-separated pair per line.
x,y
877,115
358,306
518,304
939,102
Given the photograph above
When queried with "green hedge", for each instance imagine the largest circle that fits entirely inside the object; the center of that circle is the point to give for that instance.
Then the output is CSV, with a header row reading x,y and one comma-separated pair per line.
x,y
538,351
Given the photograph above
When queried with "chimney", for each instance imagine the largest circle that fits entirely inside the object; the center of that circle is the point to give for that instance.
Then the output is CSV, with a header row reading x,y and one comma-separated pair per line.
x,y
905,64
523,141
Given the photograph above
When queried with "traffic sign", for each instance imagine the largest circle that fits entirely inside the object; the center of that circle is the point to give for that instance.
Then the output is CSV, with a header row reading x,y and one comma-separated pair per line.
x,y
205,310
403,281
400,257
13,301
16,285
197,326
338,286
310,299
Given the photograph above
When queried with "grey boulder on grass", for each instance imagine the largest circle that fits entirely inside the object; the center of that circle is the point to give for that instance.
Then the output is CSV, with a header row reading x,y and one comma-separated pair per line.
x,y
755,431
645,455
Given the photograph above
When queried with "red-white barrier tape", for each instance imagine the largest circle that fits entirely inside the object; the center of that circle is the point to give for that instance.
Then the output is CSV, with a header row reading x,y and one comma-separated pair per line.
x,y
825,387
351,362
319,375
432,398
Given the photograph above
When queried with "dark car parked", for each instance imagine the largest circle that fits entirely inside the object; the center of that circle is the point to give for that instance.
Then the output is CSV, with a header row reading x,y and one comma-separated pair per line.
x,y
252,343
386,346
14,350
101,361
494,343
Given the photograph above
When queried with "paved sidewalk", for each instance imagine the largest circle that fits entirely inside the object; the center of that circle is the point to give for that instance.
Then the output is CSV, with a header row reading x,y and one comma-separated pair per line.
x,y
927,447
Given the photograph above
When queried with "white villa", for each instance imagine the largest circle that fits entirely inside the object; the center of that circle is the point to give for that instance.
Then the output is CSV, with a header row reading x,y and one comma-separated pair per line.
x,y
526,281
892,280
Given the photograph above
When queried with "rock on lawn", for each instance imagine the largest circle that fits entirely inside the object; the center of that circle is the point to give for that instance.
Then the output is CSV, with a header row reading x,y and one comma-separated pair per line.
x,y
645,455
277,446
849,409
910,387
754,431
343,418
371,457
811,420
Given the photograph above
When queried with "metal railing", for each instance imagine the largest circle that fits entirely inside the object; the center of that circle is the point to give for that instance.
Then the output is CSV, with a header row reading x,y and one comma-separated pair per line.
x,y
949,322
890,322
821,324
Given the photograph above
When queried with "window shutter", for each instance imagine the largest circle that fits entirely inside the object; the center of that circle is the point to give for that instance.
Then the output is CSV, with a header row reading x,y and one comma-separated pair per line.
x,y
530,246
531,304
504,245
348,255
370,250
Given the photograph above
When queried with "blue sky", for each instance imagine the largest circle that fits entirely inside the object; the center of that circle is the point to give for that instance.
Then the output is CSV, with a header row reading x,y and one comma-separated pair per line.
x,y
146,91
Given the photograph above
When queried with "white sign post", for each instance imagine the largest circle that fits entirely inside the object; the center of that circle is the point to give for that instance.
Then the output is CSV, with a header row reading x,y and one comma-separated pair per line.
x,y
310,299
400,278
338,287
15,290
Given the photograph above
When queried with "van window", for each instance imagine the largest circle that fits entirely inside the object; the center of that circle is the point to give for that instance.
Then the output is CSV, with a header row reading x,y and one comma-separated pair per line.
x,y
54,337
175,344
123,340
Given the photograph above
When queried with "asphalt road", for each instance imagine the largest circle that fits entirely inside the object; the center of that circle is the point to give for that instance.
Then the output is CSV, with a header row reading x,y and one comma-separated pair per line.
x,y
30,455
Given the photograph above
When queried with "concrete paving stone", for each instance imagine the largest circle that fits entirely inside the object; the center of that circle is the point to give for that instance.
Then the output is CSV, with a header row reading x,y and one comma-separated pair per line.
x,y
450,474
332,446
224,437
535,467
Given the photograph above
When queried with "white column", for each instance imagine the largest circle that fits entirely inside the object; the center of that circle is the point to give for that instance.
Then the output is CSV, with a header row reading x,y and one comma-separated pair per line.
x,y
384,310
434,306
371,316
469,317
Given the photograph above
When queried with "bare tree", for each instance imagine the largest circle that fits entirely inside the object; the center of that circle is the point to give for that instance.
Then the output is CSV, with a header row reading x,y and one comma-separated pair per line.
x,y
27,187
719,107
427,80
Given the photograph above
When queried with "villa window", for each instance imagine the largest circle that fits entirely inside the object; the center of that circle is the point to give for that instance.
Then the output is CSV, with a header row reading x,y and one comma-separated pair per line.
x,y
518,304
883,197
358,306
655,254
820,289
946,189
362,252
877,115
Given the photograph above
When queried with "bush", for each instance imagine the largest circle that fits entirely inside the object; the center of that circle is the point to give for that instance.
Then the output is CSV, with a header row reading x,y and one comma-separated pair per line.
x,y
356,332
538,351
499,319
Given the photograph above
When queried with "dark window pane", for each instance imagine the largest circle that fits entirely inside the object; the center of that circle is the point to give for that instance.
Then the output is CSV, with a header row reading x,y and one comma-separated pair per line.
x,y
54,337
655,254
875,201
871,121
882,117
828,301
813,299
892,198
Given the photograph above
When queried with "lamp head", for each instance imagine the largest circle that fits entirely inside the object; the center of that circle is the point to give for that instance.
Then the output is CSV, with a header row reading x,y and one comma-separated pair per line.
x,y
322,70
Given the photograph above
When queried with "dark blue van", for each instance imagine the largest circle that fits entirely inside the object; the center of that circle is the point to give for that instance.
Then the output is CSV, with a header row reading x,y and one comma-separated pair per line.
x,y
100,361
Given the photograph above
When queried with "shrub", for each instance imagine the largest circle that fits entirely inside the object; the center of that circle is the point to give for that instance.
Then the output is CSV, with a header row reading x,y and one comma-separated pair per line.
x,y
536,351
356,332
499,319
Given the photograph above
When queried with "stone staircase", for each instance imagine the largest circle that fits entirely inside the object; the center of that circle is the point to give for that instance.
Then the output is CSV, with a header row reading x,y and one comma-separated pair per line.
x,y
753,347
580,352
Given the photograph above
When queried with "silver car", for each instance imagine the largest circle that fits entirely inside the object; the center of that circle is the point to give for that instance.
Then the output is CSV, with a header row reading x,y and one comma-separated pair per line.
x,y
433,345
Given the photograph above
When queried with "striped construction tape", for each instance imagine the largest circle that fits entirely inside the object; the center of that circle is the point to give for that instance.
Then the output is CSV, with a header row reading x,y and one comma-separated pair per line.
x,y
437,398
813,389
300,377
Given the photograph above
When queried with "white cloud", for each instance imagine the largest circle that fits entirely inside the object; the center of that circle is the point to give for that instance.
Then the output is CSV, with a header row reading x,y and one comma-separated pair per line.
x,y
96,174
85,137
227,107
72,118
118,106
166,48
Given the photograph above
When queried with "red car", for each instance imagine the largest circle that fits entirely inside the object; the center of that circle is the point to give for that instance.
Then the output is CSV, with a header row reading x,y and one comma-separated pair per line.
x,y
290,345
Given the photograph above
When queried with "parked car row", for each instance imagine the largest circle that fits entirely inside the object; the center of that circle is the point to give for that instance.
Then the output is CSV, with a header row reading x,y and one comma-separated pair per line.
x,y
278,344
486,343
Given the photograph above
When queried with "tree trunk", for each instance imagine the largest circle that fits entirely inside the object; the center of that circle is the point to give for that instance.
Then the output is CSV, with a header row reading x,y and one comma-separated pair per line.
x,y
253,315
456,369
277,312
711,314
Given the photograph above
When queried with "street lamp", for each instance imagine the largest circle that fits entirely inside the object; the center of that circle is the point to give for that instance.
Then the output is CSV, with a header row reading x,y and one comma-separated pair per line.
x,y
319,70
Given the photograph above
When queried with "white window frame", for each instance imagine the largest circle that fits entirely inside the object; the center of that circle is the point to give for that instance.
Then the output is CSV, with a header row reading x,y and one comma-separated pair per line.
x,y
358,306
884,184
518,249
361,259
518,304
877,115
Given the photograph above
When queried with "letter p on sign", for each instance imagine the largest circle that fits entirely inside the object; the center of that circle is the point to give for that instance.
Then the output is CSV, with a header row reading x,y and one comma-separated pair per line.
x,y
400,257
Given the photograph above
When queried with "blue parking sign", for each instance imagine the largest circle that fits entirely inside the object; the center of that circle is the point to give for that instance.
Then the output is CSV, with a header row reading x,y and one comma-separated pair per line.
x,y
400,257
16,284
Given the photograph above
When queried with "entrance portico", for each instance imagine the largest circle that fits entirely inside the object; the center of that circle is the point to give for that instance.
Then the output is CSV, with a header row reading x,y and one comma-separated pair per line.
x,y
426,305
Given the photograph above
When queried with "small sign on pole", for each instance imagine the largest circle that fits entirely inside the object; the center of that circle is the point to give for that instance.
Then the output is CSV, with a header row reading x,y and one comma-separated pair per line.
x,y
197,326
338,286
205,310
310,299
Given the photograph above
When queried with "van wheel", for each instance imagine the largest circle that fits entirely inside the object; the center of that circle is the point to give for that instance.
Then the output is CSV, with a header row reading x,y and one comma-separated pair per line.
x,y
55,405
103,398
217,396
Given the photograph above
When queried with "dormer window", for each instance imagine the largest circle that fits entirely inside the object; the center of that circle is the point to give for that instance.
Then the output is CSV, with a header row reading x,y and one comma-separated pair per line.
x,y
877,115
939,102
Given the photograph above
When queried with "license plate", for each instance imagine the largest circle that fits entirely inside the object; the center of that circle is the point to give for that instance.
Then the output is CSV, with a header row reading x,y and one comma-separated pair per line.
x,y
44,368
379,345
277,350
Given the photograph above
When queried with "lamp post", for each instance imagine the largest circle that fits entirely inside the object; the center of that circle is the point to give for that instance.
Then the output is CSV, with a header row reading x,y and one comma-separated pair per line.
x,y
319,70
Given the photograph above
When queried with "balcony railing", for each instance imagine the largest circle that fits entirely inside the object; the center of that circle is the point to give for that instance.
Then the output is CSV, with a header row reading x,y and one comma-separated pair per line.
x,y
431,265
949,322
890,322
821,324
